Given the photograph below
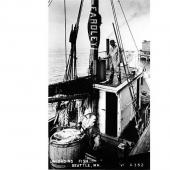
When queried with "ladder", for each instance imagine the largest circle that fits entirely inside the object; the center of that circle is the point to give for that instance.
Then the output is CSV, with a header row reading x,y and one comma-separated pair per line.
x,y
126,70
123,59
127,73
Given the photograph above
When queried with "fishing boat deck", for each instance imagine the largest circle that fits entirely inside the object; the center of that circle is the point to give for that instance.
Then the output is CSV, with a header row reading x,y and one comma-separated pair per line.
x,y
115,86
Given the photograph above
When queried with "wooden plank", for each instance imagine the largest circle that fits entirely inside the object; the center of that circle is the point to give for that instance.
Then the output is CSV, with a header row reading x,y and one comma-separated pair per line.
x,y
67,97
117,89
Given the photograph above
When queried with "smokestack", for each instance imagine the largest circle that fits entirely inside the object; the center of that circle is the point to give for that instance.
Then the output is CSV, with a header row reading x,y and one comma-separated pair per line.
x,y
107,46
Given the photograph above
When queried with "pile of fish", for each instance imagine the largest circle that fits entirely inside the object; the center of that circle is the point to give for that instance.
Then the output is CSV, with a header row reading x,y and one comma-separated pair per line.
x,y
70,135
66,136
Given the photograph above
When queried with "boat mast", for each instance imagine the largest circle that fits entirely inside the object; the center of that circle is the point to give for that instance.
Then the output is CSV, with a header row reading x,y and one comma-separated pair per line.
x,y
94,37
71,65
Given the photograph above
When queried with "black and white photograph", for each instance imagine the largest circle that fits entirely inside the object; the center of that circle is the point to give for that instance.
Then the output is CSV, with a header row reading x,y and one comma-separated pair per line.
x,y
84,84
99,84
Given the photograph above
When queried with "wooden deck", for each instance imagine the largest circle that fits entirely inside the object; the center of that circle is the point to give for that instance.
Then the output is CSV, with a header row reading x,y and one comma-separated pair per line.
x,y
115,87
123,77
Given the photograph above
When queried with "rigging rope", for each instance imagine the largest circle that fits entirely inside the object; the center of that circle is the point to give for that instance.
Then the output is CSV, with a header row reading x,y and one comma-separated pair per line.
x,y
128,25
122,53
117,29
118,34
71,68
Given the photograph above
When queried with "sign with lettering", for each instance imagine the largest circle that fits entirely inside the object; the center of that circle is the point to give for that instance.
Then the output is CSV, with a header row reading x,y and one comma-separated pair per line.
x,y
94,25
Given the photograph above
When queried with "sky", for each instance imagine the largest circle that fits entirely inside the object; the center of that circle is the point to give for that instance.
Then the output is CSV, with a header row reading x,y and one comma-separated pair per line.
x,y
137,13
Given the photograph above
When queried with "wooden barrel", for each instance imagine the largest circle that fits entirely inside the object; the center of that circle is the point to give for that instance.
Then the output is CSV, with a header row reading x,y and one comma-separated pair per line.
x,y
63,154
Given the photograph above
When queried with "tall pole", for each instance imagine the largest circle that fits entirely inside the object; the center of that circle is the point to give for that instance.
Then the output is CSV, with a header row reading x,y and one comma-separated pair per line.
x,y
94,36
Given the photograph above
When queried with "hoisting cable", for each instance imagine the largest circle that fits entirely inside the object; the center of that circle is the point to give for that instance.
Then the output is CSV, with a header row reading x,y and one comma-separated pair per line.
x,y
128,28
118,38
128,25
117,28
116,22
121,49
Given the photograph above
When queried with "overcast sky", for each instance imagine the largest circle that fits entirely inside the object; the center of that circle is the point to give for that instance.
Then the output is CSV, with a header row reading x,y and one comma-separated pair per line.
x,y
137,13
